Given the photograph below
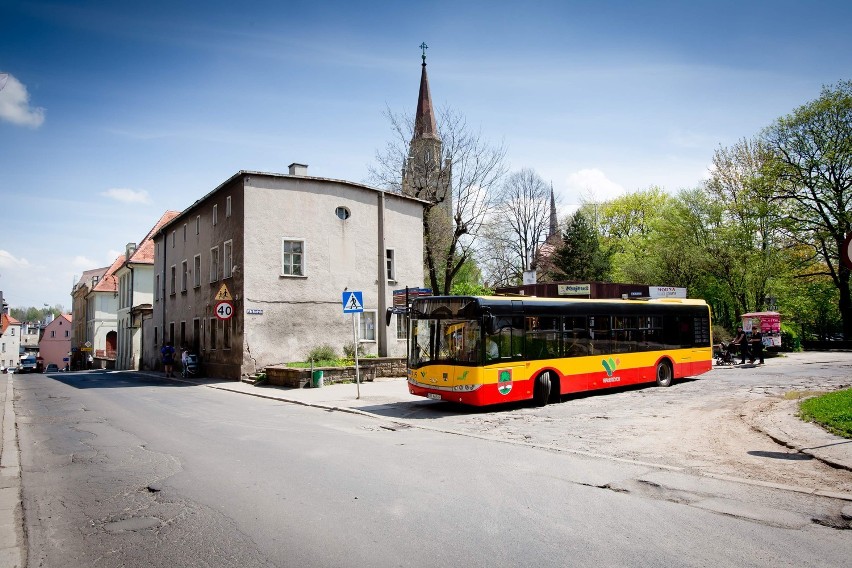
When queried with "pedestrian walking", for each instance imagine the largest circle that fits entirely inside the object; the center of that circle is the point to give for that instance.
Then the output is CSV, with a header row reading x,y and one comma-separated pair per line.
x,y
168,355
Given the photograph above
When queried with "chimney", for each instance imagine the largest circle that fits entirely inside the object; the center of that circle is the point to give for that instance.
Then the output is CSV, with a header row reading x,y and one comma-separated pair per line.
x,y
129,250
298,169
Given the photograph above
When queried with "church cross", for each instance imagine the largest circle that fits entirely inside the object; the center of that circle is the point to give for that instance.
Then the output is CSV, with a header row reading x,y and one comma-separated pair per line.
x,y
424,47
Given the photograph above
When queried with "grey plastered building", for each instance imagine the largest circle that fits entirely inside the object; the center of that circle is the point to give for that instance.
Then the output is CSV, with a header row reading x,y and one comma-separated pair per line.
x,y
284,248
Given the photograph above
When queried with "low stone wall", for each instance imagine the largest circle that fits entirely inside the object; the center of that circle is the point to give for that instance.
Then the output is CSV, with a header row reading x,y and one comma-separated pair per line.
x,y
369,369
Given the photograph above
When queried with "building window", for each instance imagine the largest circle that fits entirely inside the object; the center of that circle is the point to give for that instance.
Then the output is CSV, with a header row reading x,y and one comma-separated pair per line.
x,y
196,335
196,271
227,260
390,264
184,232
212,334
401,327
173,239
226,333
228,206
214,264
67,333
184,276
173,280
157,288
367,326
182,334
197,224
156,339
13,332
172,332
215,215
52,333
292,257
342,213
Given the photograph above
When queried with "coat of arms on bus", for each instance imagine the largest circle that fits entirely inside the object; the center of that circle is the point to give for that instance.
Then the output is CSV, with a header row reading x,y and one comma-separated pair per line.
x,y
504,381
610,365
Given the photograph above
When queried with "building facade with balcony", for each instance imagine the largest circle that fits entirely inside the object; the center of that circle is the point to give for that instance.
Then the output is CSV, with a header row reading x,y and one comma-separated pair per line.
x,y
136,296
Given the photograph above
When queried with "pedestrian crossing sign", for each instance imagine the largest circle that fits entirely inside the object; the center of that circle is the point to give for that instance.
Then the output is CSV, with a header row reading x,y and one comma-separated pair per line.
x,y
353,302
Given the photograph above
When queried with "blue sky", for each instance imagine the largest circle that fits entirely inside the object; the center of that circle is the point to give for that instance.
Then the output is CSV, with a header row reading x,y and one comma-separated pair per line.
x,y
113,112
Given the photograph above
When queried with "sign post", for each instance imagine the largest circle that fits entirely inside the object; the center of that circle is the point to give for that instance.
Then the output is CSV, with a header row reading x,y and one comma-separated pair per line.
x,y
353,303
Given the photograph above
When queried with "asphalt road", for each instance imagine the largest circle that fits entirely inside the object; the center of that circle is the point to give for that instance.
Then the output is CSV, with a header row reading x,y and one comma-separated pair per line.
x,y
120,470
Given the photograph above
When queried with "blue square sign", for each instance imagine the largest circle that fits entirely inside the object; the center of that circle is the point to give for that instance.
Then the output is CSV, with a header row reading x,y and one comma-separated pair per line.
x,y
353,302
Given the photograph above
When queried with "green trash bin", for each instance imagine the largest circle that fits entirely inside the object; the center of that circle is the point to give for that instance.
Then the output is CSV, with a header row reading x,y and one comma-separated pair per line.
x,y
316,379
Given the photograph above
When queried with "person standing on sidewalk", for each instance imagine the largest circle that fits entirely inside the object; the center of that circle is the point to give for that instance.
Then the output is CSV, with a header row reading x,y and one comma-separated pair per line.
x,y
756,345
168,355
742,341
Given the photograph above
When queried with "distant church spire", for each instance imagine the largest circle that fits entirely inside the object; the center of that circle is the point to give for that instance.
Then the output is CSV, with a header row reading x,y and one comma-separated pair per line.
x,y
554,223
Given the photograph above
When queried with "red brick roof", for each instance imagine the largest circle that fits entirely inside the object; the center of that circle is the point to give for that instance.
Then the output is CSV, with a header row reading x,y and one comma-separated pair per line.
x,y
7,320
145,251
109,283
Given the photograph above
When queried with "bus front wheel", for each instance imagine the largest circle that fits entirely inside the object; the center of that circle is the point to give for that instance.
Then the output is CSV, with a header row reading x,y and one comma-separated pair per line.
x,y
541,389
664,374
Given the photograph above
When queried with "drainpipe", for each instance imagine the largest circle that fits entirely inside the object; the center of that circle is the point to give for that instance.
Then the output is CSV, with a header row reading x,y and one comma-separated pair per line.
x,y
382,330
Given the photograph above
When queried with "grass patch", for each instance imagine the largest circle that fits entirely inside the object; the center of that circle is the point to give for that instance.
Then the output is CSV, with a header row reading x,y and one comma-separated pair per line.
x,y
832,411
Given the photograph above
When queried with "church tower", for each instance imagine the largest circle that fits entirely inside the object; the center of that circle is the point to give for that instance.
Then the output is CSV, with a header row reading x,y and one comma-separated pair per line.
x,y
425,175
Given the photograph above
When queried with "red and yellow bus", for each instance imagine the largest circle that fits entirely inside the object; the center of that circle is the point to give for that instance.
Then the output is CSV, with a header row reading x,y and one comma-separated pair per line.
x,y
491,350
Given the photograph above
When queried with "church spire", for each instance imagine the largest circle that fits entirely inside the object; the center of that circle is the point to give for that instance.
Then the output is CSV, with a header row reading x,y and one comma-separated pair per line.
x,y
424,119
554,223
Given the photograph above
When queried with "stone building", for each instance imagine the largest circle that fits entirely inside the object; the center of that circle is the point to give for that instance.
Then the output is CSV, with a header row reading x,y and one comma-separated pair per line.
x,y
253,273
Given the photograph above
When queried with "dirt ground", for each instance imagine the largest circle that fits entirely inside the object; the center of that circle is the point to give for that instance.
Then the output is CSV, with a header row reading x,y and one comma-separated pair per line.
x,y
706,425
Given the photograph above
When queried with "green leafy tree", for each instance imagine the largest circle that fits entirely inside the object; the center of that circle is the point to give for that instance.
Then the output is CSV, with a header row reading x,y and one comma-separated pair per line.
x,y
580,256
812,162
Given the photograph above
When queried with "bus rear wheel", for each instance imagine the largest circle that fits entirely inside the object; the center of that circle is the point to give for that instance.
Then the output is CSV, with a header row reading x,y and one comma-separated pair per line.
x,y
541,389
664,374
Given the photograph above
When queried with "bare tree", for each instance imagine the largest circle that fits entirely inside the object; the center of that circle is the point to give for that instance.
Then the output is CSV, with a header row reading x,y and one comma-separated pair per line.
x,y
517,228
458,185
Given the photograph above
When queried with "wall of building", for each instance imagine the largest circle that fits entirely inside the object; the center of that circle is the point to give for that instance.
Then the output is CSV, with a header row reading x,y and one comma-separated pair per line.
x,y
304,312
10,346
55,344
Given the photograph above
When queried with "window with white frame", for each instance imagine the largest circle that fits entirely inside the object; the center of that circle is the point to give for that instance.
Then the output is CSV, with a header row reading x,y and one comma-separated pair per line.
x,y
157,288
173,239
184,276
52,333
67,333
173,280
292,257
226,333
197,224
390,264
215,215
214,264
367,326
213,329
196,271
401,327
228,206
184,232
227,259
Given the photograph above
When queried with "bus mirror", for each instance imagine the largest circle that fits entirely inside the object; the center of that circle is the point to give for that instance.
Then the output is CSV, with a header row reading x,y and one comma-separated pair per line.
x,y
388,314
489,322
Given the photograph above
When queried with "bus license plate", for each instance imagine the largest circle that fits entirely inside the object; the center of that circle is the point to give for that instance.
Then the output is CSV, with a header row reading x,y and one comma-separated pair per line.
x,y
433,396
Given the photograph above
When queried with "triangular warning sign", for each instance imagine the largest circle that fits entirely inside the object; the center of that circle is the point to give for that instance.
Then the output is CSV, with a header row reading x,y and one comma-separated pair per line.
x,y
352,303
223,293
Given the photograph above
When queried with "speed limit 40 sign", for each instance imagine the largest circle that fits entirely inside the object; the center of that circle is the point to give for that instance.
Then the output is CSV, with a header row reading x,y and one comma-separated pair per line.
x,y
224,310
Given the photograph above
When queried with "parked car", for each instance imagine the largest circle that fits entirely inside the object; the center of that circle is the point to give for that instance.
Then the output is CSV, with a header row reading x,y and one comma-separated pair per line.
x,y
51,368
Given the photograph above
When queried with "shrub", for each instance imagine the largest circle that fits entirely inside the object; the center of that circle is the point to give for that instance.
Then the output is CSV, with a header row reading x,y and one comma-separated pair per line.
x,y
349,351
322,353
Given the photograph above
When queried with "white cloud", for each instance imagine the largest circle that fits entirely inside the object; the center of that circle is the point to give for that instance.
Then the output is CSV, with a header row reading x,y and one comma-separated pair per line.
x,y
7,260
15,103
592,184
125,195
84,263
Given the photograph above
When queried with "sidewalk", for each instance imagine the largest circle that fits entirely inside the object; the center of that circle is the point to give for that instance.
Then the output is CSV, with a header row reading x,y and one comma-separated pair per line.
x,y
12,541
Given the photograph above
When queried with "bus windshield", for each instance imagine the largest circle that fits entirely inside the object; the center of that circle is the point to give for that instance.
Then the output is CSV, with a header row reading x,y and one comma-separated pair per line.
x,y
446,341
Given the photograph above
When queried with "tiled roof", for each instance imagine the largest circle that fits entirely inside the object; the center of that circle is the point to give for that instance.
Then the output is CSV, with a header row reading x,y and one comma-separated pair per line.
x,y
7,320
145,252
87,276
109,283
